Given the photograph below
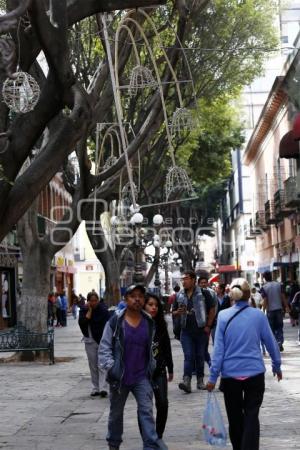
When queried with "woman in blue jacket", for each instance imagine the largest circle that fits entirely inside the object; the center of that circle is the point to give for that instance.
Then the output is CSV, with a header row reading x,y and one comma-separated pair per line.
x,y
237,357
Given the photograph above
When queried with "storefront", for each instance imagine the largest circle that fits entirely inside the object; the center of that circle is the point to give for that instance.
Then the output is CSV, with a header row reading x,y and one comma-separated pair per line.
x,y
64,276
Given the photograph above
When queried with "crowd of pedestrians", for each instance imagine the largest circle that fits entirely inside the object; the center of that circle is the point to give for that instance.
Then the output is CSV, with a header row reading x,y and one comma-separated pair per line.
x,y
129,350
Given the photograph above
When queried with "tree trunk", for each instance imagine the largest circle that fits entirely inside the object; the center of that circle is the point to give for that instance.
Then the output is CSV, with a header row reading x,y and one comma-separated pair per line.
x,y
33,308
112,283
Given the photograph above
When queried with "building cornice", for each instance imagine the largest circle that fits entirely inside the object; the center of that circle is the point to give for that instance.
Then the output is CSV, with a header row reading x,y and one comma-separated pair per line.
x,y
276,99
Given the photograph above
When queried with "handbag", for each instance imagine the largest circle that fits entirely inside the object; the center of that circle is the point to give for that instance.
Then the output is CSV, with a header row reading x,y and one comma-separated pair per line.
x,y
213,425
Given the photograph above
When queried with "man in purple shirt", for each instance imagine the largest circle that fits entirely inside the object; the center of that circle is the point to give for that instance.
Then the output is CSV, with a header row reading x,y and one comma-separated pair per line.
x,y
125,351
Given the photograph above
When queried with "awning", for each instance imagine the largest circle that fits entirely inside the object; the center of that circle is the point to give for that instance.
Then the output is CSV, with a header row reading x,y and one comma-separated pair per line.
x,y
271,267
262,269
227,268
296,128
214,278
288,147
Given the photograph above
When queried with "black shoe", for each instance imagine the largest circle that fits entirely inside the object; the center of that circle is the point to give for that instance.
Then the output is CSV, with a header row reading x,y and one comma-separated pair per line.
x,y
281,347
95,394
103,394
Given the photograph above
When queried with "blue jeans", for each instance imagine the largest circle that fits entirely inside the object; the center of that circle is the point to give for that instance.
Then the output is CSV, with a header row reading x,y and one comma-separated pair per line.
x,y
276,323
143,394
193,346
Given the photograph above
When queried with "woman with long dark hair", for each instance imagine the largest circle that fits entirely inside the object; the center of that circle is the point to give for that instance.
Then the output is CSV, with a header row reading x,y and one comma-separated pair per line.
x,y
163,356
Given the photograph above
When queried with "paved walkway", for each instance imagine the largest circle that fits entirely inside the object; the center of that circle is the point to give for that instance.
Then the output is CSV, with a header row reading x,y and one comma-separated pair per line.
x,y
48,407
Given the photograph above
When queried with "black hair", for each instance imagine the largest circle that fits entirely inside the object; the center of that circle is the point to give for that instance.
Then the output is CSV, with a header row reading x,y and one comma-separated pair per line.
x,y
222,286
92,294
267,276
159,319
202,277
190,273
177,288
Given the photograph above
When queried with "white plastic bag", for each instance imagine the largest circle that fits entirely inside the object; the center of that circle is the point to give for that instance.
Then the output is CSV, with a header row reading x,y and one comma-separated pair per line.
x,y
213,425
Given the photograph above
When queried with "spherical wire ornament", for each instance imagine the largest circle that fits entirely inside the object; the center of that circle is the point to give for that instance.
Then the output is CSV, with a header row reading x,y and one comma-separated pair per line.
x,y
127,195
21,92
141,78
177,182
111,161
182,120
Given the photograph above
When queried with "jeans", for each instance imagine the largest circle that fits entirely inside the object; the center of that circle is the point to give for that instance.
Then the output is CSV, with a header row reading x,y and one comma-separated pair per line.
x,y
193,346
242,401
276,323
143,394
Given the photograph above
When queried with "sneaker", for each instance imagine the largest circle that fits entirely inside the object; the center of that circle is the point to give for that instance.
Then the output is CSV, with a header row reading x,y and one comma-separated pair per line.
x,y
103,394
95,393
200,384
185,385
162,444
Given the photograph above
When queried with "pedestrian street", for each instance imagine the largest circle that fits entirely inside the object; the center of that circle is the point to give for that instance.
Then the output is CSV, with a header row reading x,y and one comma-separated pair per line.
x,y
49,407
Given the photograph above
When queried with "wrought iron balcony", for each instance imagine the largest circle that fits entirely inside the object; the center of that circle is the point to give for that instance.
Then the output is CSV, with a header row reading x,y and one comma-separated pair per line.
x,y
280,208
251,231
260,220
292,199
269,213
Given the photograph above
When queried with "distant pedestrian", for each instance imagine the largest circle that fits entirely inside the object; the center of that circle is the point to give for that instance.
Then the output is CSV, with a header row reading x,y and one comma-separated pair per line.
x,y
276,305
92,319
64,308
237,357
74,303
163,355
126,352
197,313
51,304
295,307
172,297
259,302
58,306
210,294
81,301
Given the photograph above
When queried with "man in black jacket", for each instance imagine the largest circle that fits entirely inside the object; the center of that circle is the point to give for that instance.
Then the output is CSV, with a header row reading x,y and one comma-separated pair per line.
x,y
92,319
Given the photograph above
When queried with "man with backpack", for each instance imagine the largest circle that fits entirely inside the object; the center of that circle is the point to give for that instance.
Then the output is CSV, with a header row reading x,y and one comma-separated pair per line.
x,y
196,311
125,351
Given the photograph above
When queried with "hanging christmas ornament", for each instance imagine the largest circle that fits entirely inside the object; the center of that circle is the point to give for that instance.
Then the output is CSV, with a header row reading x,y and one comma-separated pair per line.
x,y
21,92
182,121
111,161
127,193
141,77
177,181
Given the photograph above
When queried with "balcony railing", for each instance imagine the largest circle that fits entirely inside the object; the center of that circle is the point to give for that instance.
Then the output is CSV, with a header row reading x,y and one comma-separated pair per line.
x,y
280,208
292,200
269,213
260,220
251,231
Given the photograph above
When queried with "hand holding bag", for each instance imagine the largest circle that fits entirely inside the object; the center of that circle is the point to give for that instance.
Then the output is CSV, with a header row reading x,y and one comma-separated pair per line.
x,y
213,426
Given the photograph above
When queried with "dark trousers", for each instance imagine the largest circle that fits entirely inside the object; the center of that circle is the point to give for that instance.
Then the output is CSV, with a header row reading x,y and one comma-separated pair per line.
x,y
58,317
193,346
160,389
243,400
276,323
64,317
